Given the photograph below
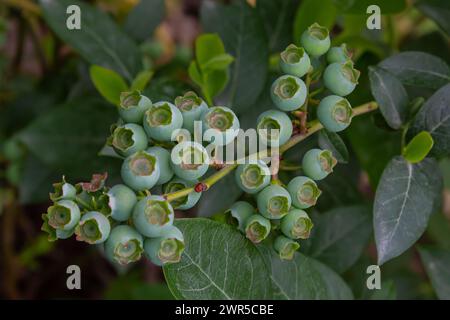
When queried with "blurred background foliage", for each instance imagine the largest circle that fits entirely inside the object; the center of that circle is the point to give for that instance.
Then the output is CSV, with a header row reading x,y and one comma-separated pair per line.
x,y
53,121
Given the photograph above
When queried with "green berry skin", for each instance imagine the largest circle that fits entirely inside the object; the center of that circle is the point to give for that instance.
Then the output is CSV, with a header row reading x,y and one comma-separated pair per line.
x,y
240,212
277,120
274,202
133,106
304,192
124,245
128,139
338,54
63,191
187,167
252,177
64,234
161,120
172,239
335,113
318,164
152,215
341,78
288,93
220,125
64,215
295,61
121,202
163,160
140,171
192,108
316,40
296,224
285,247
257,228
93,228
186,202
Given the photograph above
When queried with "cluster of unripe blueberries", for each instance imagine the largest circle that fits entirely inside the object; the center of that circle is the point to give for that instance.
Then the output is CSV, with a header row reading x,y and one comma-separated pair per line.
x,y
129,221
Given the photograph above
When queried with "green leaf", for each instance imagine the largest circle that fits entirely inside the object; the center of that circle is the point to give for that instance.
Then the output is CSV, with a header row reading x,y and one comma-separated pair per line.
x,y
245,39
310,11
108,83
391,96
437,10
340,236
207,47
436,262
304,278
142,79
439,230
418,69
143,19
194,73
387,291
215,82
333,142
278,17
219,62
100,41
360,6
418,148
434,117
405,198
218,263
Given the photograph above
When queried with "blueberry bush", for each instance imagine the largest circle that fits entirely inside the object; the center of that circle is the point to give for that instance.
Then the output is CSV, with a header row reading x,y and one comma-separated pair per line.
x,y
99,126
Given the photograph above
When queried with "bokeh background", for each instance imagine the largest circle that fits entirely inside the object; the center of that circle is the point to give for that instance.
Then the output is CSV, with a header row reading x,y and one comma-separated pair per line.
x,y
53,122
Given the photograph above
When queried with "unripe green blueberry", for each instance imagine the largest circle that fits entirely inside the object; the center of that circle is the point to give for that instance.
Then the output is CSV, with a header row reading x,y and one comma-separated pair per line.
x,y
152,215
274,127
335,113
296,224
316,40
285,247
128,139
165,249
304,192
163,160
220,125
338,54
93,228
63,191
161,120
274,202
317,163
63,215
186,202
133,106
121,201
252,177
288,93
239,213
295,61
140,171
192,107
124,245
64,234
341,78
257,228
190,160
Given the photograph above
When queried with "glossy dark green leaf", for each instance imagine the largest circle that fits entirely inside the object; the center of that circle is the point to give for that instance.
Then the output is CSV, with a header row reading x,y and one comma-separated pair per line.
x,y
418,69
245,39
438,10
108,83
405,198
100,41
333,142
437,262
340,236
218,263
310,11
387,291
144,18
418,148
434,117
391,96
360,6
278,17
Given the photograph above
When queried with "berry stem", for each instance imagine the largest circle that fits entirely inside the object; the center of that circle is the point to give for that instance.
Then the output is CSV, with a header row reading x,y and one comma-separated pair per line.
x,y
313,127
